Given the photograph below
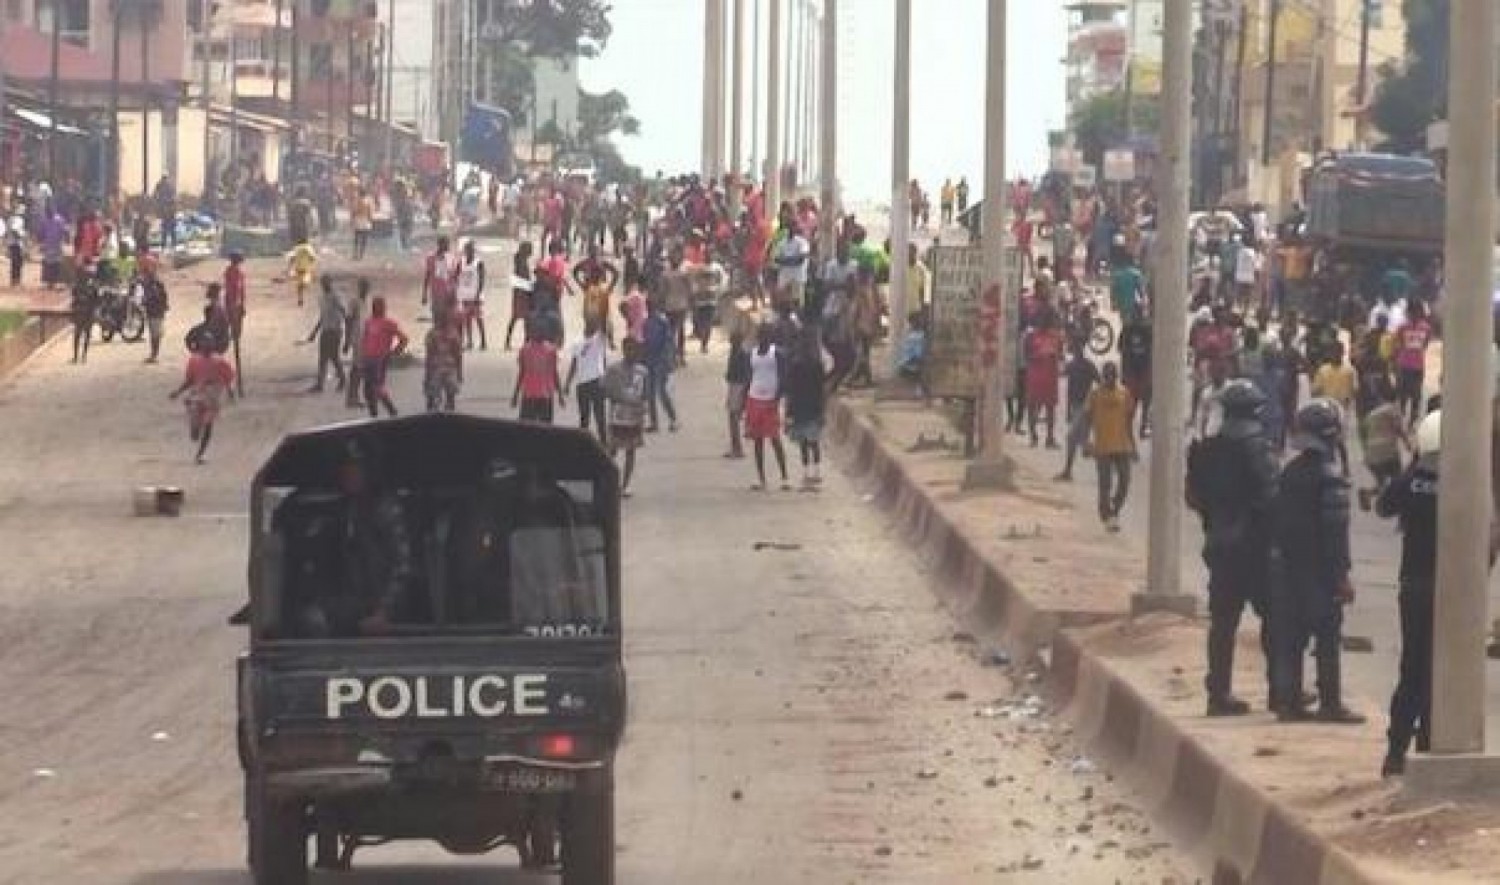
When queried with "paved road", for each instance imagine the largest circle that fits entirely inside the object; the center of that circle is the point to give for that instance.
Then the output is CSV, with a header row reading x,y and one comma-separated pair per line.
x,y
822,682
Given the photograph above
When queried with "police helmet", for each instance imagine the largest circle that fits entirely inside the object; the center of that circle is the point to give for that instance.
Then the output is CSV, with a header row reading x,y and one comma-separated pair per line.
x,y
1430,434
1242,399
1321,421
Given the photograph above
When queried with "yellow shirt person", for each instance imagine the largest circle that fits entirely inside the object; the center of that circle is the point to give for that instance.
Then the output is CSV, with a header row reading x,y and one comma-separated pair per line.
x,y
301,264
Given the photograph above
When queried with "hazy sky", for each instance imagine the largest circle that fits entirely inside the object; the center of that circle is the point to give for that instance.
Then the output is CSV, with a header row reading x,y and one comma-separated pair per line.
x,y
656,58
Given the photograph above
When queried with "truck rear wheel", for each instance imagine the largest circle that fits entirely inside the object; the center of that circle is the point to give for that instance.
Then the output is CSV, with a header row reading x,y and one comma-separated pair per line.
x,y
278,840
588,839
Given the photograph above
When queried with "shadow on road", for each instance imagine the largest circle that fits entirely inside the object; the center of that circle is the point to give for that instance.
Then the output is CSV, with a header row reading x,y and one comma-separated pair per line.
x,y
430,874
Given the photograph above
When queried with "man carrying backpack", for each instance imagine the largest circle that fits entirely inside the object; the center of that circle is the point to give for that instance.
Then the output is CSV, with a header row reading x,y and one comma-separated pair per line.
x,y
1231,484
1311,586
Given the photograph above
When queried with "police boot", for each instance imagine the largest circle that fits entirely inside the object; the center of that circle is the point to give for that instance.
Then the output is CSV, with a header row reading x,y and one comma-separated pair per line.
x,y
1221,670
1331,704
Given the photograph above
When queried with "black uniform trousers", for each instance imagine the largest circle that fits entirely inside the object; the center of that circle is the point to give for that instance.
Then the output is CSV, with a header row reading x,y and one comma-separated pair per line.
x,y
1411,702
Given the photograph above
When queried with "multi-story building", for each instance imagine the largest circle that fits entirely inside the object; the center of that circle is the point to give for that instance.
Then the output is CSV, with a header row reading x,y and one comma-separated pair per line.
x,y
1098,41
1315,101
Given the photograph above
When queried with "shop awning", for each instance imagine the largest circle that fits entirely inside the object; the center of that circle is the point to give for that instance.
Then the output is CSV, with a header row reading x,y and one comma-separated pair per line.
x,y
42,121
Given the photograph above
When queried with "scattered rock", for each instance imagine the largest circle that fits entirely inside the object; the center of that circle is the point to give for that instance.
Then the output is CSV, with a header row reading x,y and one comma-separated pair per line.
x,y
1031,863
737,795
956,696
1263,752
927,774
883,851
995,659
774,545
161,737
992,782
1084,827
1088,794
963,637
44,773
1081,765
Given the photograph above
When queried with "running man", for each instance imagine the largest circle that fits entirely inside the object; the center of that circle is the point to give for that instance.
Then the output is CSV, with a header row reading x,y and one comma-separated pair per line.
x,y
301,264
380,340
207,381
625,386
538,386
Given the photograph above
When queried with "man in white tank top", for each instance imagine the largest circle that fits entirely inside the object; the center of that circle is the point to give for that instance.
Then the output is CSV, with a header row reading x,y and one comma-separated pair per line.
x,y
469,286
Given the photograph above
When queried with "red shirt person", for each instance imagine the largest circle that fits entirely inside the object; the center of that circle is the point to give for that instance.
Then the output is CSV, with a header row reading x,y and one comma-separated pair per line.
x,y
380,339
235,294
538,384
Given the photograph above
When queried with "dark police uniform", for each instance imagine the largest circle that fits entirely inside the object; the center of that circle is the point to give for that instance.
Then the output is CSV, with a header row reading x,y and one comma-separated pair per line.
x,y
1413,499
1232,485
1311,566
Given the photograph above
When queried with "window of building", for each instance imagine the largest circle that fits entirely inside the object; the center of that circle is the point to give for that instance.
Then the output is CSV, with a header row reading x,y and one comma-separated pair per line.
x,y
320,61
72,21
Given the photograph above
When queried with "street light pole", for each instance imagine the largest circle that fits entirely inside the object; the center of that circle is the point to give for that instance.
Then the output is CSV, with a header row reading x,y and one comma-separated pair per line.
x,y
829,128
1169,332
774,62
737,91
1464,500
52,83
712,64
901,178
992,468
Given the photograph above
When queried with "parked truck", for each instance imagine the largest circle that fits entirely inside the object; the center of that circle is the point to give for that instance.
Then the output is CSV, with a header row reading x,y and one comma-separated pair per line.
x,y
1376,203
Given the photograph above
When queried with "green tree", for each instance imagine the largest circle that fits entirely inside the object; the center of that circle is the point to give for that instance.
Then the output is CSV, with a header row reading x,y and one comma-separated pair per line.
x,y
1414,92
1098,123
557,28
603,114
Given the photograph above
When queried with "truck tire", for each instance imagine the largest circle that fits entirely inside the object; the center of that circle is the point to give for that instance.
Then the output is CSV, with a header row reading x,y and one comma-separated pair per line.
x,y
278,839
588,839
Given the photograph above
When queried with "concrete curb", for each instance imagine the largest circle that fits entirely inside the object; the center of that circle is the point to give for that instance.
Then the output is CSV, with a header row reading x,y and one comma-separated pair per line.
x,y
1243,834
17,349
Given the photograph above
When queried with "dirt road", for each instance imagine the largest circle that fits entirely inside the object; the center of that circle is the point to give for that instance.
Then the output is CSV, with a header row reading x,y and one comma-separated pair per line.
x,y
800,713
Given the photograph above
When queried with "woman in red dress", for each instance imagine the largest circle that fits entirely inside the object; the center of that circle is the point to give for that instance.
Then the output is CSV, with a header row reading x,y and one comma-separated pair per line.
x,y
1044,351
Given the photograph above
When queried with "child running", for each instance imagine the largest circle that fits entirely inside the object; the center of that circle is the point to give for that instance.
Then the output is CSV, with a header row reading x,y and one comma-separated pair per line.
x,y
300,264
207,381
805,403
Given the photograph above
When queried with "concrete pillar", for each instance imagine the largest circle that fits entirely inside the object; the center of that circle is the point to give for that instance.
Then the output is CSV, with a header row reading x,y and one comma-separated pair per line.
x,y
1169,331
737,84
828,126
1464,504
992,468
775,60
900,178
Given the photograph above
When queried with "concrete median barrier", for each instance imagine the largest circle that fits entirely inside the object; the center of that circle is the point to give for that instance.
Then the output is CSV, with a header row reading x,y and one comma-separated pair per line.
x,y
1239,815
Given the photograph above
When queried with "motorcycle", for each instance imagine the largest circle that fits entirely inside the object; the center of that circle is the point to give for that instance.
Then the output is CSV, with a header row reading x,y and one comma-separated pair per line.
x,y
122,311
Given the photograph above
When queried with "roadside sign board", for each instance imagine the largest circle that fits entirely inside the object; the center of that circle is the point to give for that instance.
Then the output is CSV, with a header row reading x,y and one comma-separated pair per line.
x,y
953,340
1119,166
973,329
1086,175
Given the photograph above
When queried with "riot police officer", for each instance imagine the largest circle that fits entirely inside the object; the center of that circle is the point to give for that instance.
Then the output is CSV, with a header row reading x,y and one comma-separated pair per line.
x,y
1231,483
1413,499
1310,581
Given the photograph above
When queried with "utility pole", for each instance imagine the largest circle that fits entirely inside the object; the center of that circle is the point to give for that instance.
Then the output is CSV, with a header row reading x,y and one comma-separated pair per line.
x,y
1362,84
390,85
112,170
1268,120
296,96
755,90
52,83
828,107
1128,111
276,53
736,89
205,34
814,79
712,65
774,112
901,178
1169,334
992,469
1464,500
143,13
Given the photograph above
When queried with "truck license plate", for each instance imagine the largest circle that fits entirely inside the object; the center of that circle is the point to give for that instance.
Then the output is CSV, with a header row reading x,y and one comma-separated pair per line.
x,y
533,780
